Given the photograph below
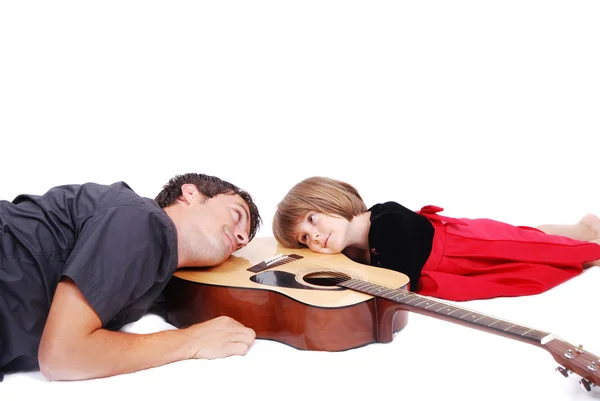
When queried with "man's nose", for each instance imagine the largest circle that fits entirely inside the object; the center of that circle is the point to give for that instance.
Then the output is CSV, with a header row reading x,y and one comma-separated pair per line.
x,y
242,238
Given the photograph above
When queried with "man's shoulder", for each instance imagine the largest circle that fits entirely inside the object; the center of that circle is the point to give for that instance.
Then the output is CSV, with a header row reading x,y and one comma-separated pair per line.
x,y
105,194
76,203
120,196
95,197
89,192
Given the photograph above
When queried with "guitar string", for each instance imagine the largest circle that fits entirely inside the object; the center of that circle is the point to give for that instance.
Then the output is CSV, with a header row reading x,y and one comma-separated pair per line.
x,y
343,276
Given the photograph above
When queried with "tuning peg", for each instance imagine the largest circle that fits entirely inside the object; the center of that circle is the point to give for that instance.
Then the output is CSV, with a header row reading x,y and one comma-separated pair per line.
x,y
587,384
563,371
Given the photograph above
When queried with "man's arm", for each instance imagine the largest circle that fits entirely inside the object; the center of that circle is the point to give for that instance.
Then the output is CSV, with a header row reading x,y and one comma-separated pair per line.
x,y
74,346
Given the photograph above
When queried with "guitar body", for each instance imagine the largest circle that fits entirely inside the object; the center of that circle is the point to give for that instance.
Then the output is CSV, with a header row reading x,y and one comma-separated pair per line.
x,y
288,303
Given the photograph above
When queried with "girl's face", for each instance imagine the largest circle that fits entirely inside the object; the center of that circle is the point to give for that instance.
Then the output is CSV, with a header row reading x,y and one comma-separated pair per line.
x,y
323,233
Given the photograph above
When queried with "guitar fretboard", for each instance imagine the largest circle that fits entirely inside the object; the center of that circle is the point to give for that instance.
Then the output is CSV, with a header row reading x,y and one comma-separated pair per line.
x,y
419,302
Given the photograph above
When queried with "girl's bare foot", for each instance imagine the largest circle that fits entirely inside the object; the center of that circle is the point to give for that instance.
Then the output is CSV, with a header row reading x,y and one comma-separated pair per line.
x,y
590,225
586,229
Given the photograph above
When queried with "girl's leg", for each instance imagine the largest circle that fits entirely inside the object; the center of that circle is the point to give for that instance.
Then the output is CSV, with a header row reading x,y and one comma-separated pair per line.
x,y
587,229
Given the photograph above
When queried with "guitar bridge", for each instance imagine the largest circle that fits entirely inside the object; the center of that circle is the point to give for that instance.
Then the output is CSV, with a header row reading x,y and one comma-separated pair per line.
x,y
277,260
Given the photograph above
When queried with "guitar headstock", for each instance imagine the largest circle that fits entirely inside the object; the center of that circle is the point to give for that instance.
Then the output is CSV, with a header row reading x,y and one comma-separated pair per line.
x,y
575,360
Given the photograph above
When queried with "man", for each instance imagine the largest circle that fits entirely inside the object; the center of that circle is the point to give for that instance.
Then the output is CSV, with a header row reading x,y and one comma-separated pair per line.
x,y
81,261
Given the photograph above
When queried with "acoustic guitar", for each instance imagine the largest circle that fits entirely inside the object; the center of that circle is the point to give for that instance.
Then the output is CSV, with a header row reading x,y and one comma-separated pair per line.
x,y
322,302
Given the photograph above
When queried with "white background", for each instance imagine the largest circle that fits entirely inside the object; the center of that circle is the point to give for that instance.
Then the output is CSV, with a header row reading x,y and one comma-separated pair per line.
x,y
488,109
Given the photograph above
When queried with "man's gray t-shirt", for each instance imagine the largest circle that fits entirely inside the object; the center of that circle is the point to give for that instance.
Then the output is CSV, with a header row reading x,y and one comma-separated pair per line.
x,y
120,249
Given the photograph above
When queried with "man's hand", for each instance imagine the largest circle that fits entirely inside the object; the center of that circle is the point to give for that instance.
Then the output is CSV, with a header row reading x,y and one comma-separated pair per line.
x,y
219,338
74,346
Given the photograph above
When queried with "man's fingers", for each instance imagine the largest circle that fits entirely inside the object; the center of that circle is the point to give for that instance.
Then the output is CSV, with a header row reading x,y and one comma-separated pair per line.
x,y
246,337
237,348
248,332
222,337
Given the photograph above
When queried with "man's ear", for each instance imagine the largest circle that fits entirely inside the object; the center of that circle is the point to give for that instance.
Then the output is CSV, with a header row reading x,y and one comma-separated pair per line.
x,y
189,193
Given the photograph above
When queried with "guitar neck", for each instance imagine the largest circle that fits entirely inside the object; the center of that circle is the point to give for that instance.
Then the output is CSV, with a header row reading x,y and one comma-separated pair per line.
x,y
445,311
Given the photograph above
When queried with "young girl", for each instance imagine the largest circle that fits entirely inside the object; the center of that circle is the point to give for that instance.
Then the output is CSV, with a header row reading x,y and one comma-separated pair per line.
x,y
448,258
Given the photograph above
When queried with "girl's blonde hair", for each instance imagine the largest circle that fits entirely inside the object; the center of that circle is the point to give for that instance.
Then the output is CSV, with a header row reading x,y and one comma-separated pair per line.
x,y
314,194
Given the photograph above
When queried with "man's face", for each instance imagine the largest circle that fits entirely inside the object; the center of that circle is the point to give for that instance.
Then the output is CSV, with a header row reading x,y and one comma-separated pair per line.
x,y
214,228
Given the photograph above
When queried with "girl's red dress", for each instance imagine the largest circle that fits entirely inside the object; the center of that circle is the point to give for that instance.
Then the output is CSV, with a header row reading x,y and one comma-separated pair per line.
x,y
484,258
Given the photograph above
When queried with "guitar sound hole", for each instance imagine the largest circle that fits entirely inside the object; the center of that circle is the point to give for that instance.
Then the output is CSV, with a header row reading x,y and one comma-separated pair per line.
x,y
326,279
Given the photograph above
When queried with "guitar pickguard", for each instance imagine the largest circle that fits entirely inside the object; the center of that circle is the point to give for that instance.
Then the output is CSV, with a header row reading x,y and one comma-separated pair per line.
x,y
278,278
